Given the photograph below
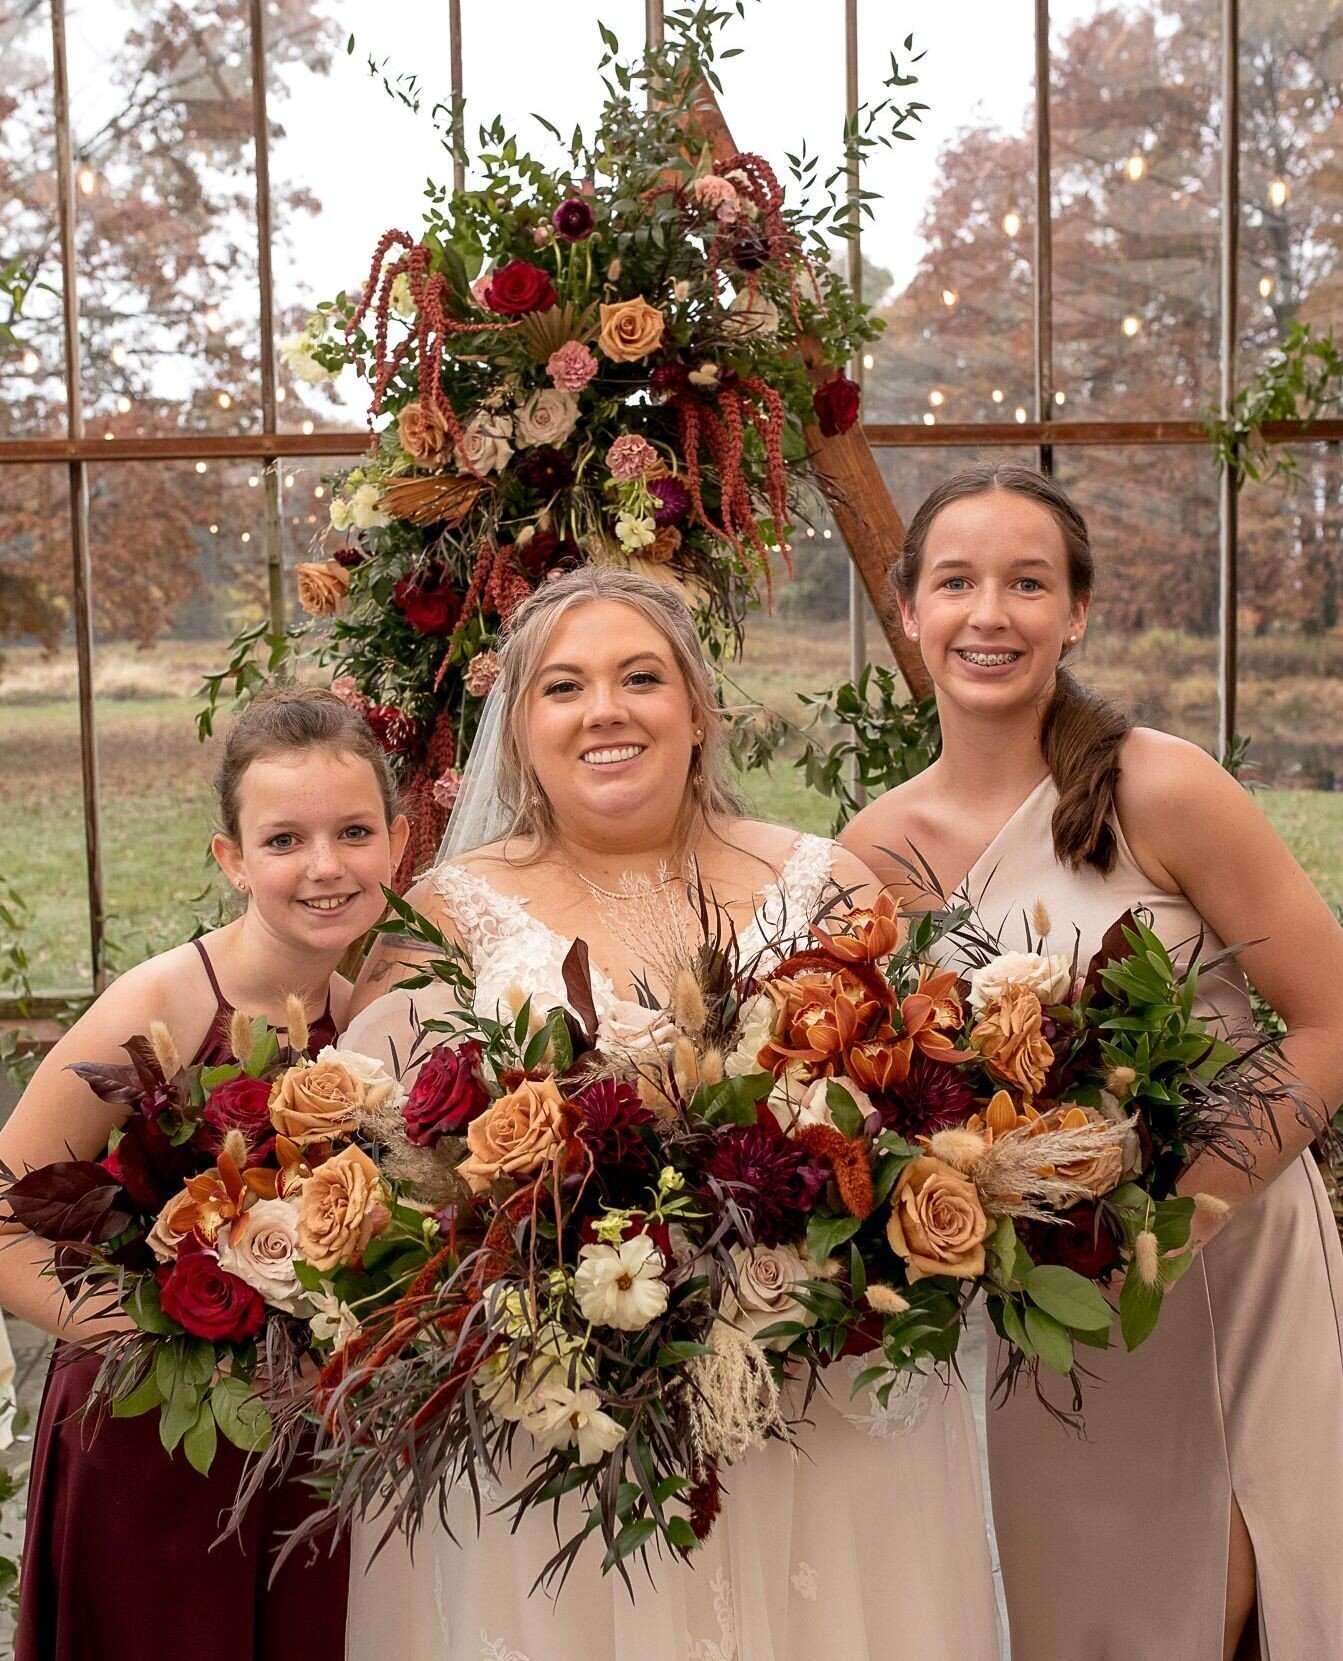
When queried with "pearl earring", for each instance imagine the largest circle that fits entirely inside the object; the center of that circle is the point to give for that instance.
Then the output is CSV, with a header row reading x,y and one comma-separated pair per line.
x,y
913,634
242,887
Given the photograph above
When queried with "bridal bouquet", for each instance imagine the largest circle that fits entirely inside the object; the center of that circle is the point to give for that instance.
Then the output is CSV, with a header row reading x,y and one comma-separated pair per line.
x,y
595,361
643,1234
221,1185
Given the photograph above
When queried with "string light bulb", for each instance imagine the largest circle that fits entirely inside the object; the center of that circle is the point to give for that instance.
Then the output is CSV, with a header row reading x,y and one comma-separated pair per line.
x,y
1060,397
1012,222
937,398
289,481
1265,286
202,466
997,395
1136,166
253,480
868,360
827,533
279,395
118,354
1020,414
1278,193
247,536
124,404
214,530
213,321
87,179
307,426
31,362
321,491
1131,326
929,419
949,297
224,400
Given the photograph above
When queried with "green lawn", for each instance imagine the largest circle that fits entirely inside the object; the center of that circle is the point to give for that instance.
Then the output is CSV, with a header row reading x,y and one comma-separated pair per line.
x,y
155,790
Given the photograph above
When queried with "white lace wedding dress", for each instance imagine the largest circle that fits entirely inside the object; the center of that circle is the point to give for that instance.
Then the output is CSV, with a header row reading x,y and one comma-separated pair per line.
x,y
869,1544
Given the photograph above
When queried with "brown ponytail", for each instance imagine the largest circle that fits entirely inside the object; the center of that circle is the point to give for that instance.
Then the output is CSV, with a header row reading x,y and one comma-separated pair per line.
x,y
1081,731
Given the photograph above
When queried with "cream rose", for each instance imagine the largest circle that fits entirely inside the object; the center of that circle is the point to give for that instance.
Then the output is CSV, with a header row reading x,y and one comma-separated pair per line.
x,y
322,586
485,446
630,1029
317,1102
751,316
521,1132
379,1085
261,1252
766,1276
548,417
814,1108
341,1208
630,330
937,1223
1050,978
166,1236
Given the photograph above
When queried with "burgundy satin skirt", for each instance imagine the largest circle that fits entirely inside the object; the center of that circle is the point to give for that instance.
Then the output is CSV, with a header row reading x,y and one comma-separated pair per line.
x,y
120,1559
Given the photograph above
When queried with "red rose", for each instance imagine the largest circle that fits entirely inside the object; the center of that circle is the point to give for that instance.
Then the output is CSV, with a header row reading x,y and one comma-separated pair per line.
x,y
207,1300
446,1096
1079,1241
429,601
836,404
518,287
241,1104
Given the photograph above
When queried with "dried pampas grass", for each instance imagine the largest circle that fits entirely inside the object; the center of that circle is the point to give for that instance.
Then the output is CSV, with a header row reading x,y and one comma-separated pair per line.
x,y
734,1399
1019,1173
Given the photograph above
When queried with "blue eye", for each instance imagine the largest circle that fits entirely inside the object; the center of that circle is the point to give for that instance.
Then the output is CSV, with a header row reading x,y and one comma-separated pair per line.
x,y
1032,585
359,832
282,842
952,581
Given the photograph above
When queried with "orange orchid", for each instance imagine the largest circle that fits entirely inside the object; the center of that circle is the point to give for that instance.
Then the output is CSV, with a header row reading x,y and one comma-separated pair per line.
x,y
823,1015
864,934
219,1199
883,1061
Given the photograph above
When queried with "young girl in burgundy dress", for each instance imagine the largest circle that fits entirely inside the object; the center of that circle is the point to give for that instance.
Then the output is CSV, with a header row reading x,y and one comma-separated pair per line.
x,y
120,1558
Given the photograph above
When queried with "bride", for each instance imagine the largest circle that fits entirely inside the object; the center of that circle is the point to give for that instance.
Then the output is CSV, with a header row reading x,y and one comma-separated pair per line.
x,y
597,774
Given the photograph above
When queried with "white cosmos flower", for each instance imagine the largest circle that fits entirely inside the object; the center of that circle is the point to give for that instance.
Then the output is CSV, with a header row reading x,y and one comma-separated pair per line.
x,y
563,1417
621,1286
365,509
635,531
341,517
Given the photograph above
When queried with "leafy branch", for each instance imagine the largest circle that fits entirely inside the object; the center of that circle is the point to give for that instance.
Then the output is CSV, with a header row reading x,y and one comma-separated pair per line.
x,y
1302,381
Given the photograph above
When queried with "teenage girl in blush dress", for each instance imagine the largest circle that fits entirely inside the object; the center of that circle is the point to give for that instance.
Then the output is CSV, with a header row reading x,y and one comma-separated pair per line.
x,y
1201,1516
119,1558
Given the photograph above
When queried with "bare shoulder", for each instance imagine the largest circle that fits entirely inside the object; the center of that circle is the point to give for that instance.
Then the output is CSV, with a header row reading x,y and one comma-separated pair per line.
x,y
889,826
763,839
1160,773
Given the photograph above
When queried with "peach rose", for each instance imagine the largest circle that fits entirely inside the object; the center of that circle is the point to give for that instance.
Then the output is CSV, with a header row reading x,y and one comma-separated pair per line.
x,y
1100,1173
168,1233
322,587
937,1223
316,1103
1008,1035
423,434
519,1133
630,330
341,1208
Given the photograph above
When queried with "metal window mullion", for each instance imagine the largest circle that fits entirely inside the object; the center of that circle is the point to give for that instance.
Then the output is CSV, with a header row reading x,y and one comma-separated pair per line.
x,y
1228,498
82,597
455,78
1043,275
272,535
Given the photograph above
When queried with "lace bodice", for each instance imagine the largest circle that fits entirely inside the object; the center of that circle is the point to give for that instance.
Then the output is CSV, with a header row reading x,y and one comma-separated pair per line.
x,y
515,956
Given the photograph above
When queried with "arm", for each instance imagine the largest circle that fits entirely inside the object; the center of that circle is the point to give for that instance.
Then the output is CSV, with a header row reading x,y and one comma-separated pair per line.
x,y
1195,828
58,1117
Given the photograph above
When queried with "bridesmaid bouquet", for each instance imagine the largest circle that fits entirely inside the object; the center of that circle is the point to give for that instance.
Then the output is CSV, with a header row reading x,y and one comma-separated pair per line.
x,y
623,1246
222,1183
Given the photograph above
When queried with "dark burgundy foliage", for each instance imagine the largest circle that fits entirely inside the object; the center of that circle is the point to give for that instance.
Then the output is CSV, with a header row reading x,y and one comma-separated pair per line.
x,y
750,250
73,1199
148,1166
446,1095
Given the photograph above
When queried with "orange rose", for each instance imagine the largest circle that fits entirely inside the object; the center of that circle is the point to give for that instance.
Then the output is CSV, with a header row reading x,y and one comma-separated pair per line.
x,y
937,1223
423,434
1009,1038
341,1208
322,587
522,1131
630,329
314,1104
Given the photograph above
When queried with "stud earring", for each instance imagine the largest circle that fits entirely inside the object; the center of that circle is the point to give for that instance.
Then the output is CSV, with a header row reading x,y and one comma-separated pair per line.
x,y
913,634
242,887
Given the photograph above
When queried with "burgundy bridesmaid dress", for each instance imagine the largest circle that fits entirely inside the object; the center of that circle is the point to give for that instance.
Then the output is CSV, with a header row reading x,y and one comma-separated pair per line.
x,y
120,1560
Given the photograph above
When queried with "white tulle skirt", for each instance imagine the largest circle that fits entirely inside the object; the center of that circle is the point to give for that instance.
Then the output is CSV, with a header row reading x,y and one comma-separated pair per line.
x,y
869,1544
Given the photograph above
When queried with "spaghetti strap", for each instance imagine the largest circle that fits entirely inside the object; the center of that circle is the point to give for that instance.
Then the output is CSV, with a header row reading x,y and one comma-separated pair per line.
x,y
199,944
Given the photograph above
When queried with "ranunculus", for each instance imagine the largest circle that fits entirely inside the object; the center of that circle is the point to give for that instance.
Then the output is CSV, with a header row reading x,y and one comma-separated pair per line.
x,y
423,433
341,1207
520,287
243,1104
631,457
481,673
630,1029
573,219
756,1023
766,1276
1008,1035
428,600
261,1252
447,1094
1050,978
401,298
630,330
621,1286
317,1102
548,417
571,366
751,316
485,446
836,404
937,1223
207,1301
518,1134
322,586
166,1237
296,355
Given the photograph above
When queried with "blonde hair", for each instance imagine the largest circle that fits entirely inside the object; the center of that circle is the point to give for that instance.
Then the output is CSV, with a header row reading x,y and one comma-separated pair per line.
x,y
707,795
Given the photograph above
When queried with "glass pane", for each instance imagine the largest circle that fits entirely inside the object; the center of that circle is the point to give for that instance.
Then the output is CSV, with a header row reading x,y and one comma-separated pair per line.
x,y
1291,63
32,386
41,790
1290,692
950,242
1152,641
178,565
161,112
1136,189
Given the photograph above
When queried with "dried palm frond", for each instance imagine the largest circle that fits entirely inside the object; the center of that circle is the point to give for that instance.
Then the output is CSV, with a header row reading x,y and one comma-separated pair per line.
x,y
546,331
437,499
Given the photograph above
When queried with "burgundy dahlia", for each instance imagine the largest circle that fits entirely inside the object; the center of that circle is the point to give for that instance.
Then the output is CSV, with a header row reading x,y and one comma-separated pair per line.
x,y
933,1097
673,501
769,1177
573,219
544,469
611,1116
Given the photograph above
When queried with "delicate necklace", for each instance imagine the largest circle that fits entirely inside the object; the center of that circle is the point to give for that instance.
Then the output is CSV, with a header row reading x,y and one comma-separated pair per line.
x,y
621,893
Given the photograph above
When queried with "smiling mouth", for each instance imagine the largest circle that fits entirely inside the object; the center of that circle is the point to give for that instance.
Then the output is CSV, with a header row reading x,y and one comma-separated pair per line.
x,y
986,660
328,902
612,755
